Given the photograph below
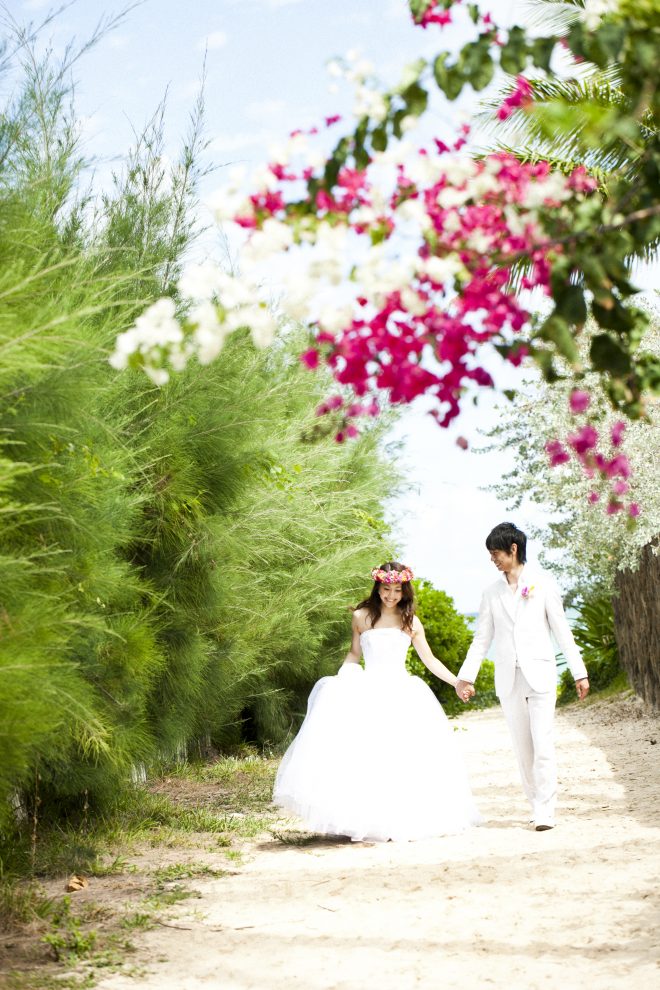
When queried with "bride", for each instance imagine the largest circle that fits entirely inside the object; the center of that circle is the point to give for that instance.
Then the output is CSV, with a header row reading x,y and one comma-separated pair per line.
x,y
376,757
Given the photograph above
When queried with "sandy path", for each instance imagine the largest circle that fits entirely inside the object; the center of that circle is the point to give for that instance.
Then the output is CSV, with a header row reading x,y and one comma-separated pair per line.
x,y
504,906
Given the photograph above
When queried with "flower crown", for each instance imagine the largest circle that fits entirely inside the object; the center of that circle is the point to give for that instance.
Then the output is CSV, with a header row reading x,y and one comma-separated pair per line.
x,y
392,577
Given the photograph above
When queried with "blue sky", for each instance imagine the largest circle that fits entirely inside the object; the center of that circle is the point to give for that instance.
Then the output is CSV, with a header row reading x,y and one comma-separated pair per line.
x,y
266,76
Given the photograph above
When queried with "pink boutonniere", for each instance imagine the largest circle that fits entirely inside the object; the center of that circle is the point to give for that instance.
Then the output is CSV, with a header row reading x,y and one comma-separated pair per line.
x,y
527,592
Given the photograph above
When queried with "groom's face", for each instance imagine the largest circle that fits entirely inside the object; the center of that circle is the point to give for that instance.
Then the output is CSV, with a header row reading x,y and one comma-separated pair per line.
x,y
505,560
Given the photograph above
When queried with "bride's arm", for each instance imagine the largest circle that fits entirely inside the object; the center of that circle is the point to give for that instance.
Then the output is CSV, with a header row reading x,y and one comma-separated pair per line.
x,y
355,652
426,656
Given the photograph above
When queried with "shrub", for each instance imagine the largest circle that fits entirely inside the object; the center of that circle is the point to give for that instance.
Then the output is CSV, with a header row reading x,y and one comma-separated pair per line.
x,y
449,637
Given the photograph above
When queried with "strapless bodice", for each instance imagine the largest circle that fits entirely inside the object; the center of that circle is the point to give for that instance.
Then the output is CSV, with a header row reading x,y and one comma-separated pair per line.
x,y
385,650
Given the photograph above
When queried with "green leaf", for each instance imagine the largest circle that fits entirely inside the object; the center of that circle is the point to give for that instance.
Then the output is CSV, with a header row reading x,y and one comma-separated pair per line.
x,y
379,139
570,303
542,49
608,355
416,99
605,44
556,329
449,78
513,57
335,162
482,76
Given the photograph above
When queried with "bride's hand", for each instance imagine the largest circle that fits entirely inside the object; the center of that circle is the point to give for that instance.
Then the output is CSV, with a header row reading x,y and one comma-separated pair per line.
x,y
464,690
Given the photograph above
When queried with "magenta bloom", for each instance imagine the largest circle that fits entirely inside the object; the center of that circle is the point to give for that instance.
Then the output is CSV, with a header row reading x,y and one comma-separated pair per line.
x,y
579,401
633,510
616,435
462,443
620,487
557,453
613,507
618,466
584,440
594,497
310,358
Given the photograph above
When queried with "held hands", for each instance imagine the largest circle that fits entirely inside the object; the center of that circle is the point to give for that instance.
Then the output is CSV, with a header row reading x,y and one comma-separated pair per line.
x,y
582,688
465,690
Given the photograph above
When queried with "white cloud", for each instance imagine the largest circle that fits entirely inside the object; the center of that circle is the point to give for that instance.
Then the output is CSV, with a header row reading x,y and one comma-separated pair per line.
x,y
213,41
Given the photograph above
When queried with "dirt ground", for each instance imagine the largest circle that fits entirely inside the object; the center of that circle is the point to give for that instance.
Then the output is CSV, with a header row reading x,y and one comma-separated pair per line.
x,y
501,906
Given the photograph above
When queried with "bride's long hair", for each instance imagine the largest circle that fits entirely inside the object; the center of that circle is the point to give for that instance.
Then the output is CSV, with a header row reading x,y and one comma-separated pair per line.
x,y
406,606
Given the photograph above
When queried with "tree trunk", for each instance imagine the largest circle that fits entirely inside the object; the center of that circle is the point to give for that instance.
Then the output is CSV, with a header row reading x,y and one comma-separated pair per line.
x,y
637,625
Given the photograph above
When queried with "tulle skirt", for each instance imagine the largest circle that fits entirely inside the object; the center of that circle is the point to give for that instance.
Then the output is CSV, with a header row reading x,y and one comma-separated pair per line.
x,y
376,758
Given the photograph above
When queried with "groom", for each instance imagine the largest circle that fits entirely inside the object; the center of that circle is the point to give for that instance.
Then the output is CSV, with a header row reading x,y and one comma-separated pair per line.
x,y
518,612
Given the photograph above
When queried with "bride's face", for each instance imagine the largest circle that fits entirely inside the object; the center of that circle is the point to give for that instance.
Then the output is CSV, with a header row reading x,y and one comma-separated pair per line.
x,y
390,594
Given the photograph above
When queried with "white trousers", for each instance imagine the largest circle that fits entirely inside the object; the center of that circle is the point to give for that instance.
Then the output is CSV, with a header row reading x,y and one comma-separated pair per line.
x,y
530,716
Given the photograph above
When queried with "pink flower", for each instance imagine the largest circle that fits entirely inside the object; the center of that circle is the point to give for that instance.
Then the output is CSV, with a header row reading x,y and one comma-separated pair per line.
x,y
581,181
557,453
462,443
310,358
520,97
617,432
618,466
613,507
584,440
579,401
594,497
633,510
620,487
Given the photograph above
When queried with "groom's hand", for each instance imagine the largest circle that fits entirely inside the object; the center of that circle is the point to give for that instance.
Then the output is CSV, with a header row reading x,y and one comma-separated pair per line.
x,y
582,688
464,690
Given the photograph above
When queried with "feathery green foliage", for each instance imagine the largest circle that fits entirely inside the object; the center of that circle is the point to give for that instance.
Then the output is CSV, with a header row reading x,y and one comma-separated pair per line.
x,y
449,637
175,565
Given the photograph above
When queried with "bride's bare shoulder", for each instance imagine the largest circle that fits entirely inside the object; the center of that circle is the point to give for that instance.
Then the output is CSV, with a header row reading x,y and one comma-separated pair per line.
x,y
360,619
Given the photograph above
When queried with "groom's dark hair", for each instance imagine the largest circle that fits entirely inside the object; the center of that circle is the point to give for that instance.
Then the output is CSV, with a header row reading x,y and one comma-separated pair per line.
x,y
503,536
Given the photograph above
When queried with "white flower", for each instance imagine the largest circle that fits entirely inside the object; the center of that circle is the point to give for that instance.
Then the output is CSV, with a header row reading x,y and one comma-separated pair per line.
x,y
158,326
159,376
413,302
369,103
118,359
450,196
479,242
225,204
273,237
441,270
451,223
200,281
482,184
414,212
262,325
209,334
595,10
552,187
235,291
335,69
335,318
458,169
423,170
178,357
364,215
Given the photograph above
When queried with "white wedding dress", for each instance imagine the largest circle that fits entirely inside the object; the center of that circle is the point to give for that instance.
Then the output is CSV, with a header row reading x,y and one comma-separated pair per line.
x,y
376,757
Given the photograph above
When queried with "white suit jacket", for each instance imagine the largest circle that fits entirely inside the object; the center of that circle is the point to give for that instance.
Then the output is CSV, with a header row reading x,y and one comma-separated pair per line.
x,y
520,628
